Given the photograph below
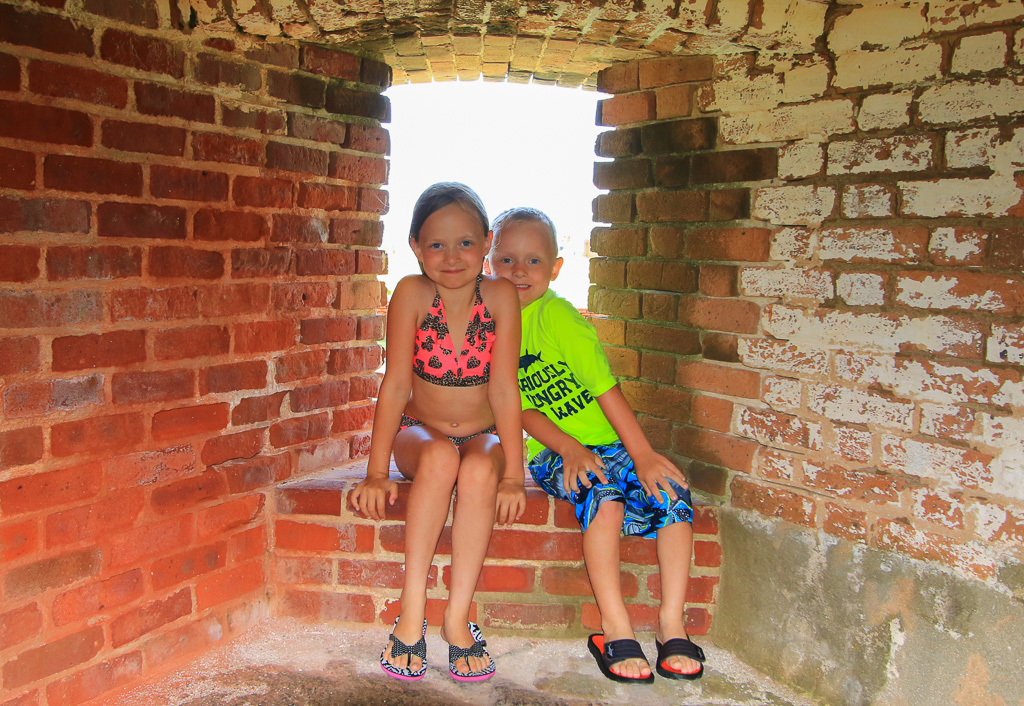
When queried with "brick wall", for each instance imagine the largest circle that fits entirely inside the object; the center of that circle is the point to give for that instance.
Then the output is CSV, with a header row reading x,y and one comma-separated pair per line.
x,y
188,315
812,278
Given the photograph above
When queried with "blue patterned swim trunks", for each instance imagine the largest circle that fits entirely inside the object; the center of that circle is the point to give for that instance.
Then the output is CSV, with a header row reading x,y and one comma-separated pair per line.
x,y
644,515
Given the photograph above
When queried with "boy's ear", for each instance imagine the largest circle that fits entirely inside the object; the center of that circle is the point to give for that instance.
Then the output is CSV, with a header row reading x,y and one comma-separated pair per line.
x,y
487,266
556,268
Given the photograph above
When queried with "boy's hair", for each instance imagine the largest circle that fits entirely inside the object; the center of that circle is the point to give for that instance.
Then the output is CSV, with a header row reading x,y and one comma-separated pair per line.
x,y
445,193
524,214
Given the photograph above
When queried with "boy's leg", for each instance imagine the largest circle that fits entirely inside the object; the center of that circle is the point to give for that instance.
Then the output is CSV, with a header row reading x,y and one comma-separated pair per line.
x,y
432,463
675,547
481,467
601,554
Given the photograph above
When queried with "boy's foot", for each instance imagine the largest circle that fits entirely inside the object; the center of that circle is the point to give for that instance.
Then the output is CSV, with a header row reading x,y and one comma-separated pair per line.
x,y
469,660
679,658
620,660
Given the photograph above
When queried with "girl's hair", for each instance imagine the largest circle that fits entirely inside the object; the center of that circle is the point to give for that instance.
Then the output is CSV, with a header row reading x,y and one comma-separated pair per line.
x,y
442,194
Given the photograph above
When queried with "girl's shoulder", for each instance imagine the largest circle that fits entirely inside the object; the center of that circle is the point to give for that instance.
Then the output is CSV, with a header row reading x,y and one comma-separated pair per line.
x,y
498,290
414,287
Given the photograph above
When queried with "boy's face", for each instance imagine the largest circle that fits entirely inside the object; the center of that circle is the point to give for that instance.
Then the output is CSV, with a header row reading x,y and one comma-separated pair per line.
x,y
524,253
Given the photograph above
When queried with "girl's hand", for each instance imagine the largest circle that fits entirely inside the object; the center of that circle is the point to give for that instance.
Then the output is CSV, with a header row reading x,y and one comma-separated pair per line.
x,y
577,463
511,502
369,494
654,471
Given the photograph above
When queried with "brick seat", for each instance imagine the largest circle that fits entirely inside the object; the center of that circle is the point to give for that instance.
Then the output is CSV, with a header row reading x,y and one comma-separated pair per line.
x,y
329,564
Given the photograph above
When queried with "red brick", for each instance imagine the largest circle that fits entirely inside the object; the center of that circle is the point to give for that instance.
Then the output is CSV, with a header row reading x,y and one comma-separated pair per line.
x,y
662,338
138,220
214,71
229,225
154,99
63,81
54,657
44,124
227,585
898,535
327,197
153,304
192,342
294,158
375,73
249,118
375,573
301,536
566,581
18,539
248,544
188,184
143,137
500,579
712,413
618,143
55,572
95,681
225,448
329,62
45,31
185,566
707,554
95,598
360,103
187,492
674,101
104,262
116,349
301,570
733,315
734,166
1006,249
300,366
312,497
53,215
19,263
626,108
299,430
845,523
91,175
217,147
190,421
434,613
674,136
521,544
773,502
44,490
189,639
114,432
705,520
304,295
291,228
324,261
90,522
861,485
710,447
262,192
228,515
29,698
529,615
131,626
675,69
17,168
10,73
734,244
347,607
317,129
156,539
19,625
251,375
260,262
185,262
264,336
147,467
337,329
373,201
620,77
143,14
348,360
256,474
719,280
252,410
156,386
32,310
234,299
359,169
328,394
661,206
296,89
19,355
718,379
368,138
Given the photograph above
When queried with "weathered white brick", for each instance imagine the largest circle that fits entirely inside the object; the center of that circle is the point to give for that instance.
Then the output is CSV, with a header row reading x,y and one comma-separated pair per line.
x,y
907,153
852,443
863,69
846,404
861,288
804,83
1006,434
778,355
971,559
883,332
794,205
966,101
993,196
980,52
970,292
957,246
994,523
795,24
772,463
1006,344
873,244
963,14
939,462
801,159
791,284
941,506
782,393
947,421
776,429
885,111
1018,45
789,122
885,26
867,201
986,147
792,244
739,93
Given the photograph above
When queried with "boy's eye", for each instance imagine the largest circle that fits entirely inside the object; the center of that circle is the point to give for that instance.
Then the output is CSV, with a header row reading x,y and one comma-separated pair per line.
x,y
506,260
534,261
467,243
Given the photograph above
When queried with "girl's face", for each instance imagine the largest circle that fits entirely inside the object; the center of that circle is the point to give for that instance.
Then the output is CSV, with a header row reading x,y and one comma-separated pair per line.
x,y
452,246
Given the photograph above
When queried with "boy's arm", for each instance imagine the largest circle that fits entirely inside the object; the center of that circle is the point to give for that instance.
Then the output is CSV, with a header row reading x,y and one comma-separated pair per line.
x,y
651,467
577,459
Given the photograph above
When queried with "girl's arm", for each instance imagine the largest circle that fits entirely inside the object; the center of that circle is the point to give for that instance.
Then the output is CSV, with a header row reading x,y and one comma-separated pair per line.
x,y
368,496
503,395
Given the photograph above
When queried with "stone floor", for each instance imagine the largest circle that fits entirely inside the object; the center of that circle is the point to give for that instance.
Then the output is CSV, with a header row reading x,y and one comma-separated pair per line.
x,y
282,662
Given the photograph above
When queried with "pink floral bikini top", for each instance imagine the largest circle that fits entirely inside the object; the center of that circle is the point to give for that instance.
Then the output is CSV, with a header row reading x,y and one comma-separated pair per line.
x,y
434,358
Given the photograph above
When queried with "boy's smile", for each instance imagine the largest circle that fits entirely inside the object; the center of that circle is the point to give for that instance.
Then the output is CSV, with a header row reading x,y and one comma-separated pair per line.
x,y
524,253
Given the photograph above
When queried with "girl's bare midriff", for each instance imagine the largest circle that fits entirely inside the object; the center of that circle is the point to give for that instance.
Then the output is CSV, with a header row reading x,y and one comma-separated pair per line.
x,y
455,411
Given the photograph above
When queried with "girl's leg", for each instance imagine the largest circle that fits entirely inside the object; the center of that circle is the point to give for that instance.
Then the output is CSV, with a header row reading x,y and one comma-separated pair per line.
x,y
431,461
675,547
601,554
482,466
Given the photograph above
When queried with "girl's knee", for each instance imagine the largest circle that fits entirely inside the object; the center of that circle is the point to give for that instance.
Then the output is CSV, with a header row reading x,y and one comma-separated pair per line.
x,y
478,471
438,459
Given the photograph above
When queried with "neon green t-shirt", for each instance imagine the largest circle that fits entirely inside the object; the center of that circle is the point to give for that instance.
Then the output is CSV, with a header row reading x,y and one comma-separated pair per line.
x,y
562,371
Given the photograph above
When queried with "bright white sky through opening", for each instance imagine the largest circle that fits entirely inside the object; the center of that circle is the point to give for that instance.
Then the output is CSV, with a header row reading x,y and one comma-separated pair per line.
x,y
514,144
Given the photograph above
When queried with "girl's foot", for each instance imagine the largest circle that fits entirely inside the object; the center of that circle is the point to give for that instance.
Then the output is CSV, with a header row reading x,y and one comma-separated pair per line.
x,y
460,634
405,659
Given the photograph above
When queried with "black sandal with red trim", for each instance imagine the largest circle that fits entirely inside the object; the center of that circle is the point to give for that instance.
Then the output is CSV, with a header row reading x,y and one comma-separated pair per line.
x,y
611,653
678,647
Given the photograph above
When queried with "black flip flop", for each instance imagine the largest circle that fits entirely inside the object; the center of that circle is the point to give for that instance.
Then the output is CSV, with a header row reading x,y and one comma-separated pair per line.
x,y
611,653
678,647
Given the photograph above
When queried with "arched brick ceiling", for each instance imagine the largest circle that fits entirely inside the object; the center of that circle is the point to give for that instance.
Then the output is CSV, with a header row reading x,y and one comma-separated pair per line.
x,y
552,42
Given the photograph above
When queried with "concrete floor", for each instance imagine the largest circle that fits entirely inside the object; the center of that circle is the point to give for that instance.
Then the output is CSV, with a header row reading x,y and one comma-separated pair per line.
x,y
282,662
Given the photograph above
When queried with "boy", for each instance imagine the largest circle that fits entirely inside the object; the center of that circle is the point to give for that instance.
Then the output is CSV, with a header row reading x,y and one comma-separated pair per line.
x,y
587,448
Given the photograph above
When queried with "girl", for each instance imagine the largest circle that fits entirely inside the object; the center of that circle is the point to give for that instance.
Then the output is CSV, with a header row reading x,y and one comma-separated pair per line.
x,y
449,410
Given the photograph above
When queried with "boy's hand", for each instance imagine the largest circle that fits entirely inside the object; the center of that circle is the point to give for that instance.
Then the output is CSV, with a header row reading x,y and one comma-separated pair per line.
x,y
654,471
370,493
577,462
511,502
